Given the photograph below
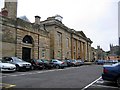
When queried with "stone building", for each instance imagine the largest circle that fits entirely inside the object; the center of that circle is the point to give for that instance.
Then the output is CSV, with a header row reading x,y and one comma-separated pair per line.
x,y
114,49
100,53
114,53
40,40
94,54
67,43
21,38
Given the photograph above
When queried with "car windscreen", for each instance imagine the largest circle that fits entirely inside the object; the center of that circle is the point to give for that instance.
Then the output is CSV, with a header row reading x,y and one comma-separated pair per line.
x,y
45,61
17,59
39,61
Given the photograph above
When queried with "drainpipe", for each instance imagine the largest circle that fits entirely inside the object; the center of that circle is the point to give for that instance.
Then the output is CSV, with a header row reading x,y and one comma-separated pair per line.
x,y
71,47
38,46
16,38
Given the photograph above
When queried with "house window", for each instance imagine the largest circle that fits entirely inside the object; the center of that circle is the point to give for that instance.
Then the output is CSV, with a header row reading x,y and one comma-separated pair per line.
x,y
28,39
59,36
59,54
67,42
43,53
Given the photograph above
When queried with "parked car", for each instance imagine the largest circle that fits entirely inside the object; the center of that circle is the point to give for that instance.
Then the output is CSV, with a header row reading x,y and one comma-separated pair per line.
x,y
37,64
6,67
112,61
100,62
80,62
58,64
74,63
19,63
112,73
69,63
47,64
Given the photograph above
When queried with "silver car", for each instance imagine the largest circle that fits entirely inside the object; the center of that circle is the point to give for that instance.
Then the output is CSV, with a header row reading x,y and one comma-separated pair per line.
x,y
5,67
58,64
19,63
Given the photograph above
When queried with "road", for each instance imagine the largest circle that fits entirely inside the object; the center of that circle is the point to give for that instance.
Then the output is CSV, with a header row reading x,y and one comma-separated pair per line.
x,y
73,77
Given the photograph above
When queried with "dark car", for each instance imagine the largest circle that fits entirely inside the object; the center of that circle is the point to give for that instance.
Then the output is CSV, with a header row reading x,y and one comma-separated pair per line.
x,y
47,64
100,62
74,63
112,73
19,63
37,64
69,63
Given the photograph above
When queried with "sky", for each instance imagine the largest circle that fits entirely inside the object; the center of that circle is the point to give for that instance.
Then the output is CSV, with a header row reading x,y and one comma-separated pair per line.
x,y
98,19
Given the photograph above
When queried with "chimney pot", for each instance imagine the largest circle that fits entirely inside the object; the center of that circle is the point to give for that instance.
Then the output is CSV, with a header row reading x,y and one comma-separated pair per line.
x,y
4,12
37,19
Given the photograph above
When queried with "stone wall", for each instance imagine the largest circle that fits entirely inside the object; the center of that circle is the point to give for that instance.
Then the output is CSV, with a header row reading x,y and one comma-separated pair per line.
x,y
13,33
8,49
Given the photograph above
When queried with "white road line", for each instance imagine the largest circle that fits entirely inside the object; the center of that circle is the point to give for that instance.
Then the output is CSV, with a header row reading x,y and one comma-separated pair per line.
x,y
29,73
104,86
36,72
91,83
3,76
14,75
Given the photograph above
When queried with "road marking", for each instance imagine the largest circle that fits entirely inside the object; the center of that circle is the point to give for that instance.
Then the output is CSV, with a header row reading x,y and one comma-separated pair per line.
x,y
5,85
14,75
91,83
100,82
104,86
36,72
3,76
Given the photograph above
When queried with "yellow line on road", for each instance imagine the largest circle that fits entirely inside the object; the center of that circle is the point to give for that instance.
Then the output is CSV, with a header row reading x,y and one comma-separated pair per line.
x,y
5,85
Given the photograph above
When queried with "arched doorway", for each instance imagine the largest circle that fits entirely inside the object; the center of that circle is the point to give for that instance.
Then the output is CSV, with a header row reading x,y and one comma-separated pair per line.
x,y
27,48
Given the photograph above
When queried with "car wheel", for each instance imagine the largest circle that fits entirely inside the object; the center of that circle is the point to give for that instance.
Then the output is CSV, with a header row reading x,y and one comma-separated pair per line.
x,y
62,67
43,67
73,65
118,81
17,68
32,68
57,66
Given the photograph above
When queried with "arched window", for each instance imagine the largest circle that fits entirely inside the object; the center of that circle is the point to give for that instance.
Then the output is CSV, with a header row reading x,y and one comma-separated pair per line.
x,y
28,39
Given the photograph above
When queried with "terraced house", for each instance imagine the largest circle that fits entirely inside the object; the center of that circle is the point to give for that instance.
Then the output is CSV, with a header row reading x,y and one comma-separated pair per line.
x,y
42,39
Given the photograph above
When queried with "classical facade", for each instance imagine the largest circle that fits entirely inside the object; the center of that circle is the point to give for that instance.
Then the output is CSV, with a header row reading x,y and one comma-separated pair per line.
x,y
67,43
41,40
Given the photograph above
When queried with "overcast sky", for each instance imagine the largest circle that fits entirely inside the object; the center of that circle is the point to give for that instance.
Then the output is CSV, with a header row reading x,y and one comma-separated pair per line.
x,y
98,19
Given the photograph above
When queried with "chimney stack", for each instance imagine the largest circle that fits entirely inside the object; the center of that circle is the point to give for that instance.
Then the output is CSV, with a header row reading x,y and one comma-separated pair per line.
x,y
11,6
37,19
4,12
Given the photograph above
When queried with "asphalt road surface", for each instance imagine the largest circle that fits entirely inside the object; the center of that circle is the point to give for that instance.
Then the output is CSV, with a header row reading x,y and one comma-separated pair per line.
x,y
83,77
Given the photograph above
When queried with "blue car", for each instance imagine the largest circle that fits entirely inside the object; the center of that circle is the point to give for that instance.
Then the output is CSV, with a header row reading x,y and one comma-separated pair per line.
x,y
112,73
100,62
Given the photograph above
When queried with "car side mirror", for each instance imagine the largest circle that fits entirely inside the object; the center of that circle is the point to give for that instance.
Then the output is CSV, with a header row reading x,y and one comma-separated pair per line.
x,y
11,60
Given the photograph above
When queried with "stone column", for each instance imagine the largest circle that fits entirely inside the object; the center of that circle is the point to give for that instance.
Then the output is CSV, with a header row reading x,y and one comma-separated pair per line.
x,y
76,49
72,49
36,49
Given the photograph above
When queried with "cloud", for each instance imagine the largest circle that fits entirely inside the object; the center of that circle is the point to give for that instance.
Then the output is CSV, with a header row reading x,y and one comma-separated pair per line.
x,y
96,18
